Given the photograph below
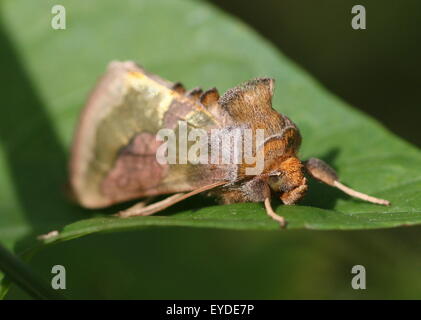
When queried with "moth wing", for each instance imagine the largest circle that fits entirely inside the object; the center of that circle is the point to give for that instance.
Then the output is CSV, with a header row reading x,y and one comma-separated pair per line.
x,y
251,103
114,150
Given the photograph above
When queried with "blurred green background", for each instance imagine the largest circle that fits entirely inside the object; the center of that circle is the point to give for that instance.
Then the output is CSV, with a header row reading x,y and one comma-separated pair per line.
x,y
375,70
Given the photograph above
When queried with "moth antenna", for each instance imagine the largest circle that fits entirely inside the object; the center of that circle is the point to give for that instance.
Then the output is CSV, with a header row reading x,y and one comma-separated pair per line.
x,y
209,97
194,93
321,171
273,215
179,88
363,196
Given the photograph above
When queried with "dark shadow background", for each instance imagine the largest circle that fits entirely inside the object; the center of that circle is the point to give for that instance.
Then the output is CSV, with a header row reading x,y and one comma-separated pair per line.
x,y
376,70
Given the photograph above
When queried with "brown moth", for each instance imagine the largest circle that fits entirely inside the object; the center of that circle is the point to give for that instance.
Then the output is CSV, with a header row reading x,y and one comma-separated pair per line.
x,y
114,154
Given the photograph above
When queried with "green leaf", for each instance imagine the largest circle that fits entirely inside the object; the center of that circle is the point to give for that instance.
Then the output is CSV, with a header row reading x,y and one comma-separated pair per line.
x,y
50,72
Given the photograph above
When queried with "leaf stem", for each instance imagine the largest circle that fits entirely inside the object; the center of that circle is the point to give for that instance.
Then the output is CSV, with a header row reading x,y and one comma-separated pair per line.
x,y
18,272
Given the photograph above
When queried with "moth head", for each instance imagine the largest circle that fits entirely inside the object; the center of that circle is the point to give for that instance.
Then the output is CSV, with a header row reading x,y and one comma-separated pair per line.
x,y
288,179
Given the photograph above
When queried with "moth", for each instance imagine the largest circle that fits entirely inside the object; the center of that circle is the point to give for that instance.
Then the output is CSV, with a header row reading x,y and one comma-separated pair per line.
x,y
114,153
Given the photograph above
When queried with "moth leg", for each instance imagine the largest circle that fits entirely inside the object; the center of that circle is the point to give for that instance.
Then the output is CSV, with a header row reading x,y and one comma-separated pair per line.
x,y
255,190
141,209
323,172
292,196
273,215
258,190
144,203
138,206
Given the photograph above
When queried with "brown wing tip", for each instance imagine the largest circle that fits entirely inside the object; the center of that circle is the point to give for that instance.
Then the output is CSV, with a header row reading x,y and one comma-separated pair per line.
x,y
179,88
194,93
209,97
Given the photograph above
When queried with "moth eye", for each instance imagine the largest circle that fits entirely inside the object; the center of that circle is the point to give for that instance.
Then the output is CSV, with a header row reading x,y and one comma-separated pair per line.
x,y
275,183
